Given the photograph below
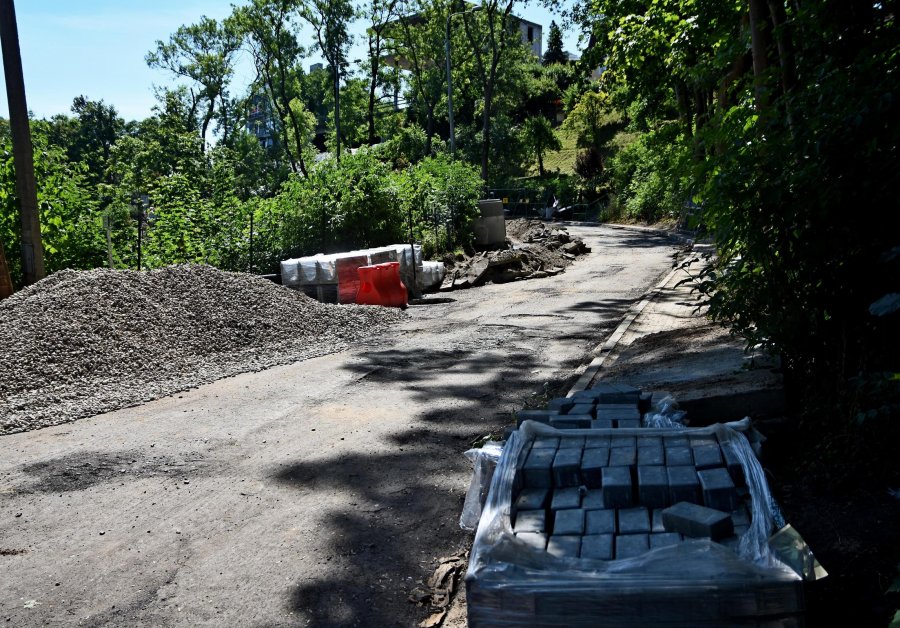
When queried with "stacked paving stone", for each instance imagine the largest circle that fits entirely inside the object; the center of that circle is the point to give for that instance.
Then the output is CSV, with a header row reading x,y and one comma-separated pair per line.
x,y
604,407
582,502
611,497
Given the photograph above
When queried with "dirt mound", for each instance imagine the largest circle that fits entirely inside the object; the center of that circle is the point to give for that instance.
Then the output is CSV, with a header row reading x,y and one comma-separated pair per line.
x,y
80,343
534,250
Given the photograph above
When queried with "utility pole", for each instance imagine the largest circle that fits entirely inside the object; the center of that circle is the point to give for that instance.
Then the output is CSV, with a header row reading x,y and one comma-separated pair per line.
x,y
6,288
23,153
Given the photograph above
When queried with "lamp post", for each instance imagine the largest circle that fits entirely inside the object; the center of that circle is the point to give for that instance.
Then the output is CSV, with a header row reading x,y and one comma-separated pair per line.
x,y
450,79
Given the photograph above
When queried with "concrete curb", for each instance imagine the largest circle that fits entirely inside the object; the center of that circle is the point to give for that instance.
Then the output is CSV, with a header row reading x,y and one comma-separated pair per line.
x,y
606,349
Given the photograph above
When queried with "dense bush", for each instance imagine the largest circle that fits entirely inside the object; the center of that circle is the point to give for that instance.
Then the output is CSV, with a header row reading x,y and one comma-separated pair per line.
x,y
71,228
440,195
341,205
649,177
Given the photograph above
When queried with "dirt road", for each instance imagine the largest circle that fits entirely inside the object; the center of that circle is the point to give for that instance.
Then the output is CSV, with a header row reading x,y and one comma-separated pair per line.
x,y
317,493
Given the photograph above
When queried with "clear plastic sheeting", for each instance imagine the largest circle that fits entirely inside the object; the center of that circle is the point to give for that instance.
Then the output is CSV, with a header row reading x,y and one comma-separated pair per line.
x,y
433,274
484,461
665,415
410,258
326,269
694,583
309,271
793,551
290,273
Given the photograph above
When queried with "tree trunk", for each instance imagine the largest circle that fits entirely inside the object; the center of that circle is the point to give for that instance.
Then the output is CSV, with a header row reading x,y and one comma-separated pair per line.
x,y
684,108
337,110
206,120
298,141
371,113
486,130
758,39
540,156
784,42
374,57
785,46
429,130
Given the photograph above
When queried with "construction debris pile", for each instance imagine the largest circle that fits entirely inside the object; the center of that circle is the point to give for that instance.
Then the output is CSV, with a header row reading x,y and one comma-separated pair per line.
x,y
80,343
534,250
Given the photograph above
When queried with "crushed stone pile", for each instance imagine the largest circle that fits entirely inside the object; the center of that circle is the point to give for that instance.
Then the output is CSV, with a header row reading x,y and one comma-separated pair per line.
x,y
534,250
80,343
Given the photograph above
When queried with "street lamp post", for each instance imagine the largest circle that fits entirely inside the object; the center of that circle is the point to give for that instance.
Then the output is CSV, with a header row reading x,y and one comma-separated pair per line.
x,y
450,79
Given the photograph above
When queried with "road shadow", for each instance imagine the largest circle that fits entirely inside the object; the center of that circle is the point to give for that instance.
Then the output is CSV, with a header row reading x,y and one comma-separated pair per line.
x,y
644,239
606,308
403,505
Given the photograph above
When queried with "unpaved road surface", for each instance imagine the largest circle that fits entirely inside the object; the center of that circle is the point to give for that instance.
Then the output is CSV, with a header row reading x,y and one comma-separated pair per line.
x,y
317,493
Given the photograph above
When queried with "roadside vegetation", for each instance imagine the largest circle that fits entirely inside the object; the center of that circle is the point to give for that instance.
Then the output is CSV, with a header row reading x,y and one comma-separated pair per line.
x,y
768,127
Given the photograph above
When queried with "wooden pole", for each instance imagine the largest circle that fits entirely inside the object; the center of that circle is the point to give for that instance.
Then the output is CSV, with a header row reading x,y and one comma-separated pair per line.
x,y
23,153
6,288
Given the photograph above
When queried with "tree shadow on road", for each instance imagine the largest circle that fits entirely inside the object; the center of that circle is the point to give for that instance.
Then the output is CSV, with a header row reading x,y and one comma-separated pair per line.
x,y
605,308
402,504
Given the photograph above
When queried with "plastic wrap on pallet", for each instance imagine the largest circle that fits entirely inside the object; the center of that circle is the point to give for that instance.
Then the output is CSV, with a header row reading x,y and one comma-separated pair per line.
x,y
484,461
309,271
695,583
665,415
381,255
326,269
290,273
433,274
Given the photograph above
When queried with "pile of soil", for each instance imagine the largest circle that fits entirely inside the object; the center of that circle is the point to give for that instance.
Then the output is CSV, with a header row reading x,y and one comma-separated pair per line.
x,y
533,250
80,343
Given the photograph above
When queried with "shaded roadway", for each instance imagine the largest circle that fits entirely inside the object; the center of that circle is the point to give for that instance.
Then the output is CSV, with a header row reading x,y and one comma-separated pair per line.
x,y
313,494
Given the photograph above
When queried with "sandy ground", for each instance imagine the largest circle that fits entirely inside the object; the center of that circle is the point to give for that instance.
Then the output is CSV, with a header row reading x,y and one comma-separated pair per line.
x,y
318,493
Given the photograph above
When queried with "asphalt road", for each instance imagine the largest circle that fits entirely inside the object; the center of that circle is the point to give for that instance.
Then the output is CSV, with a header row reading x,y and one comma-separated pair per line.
x,y
317,493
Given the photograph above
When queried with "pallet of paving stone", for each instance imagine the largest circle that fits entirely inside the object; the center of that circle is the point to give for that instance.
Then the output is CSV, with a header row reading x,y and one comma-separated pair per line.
x,y
603,407
636,527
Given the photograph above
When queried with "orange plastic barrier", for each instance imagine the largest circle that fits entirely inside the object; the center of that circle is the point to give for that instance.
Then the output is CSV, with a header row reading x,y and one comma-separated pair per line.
x,y
380,284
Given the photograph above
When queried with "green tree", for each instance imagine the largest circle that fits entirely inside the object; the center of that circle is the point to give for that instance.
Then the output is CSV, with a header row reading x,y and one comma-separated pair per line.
x,y
71,226
98,129
491,36
271,28
540,138
554,53
416,41
330,19
781,119
204,54
592,119
379,14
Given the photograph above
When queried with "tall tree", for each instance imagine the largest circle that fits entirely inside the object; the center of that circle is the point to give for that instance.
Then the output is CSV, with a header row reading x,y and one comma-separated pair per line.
x,y
379,13
98,128
204,54
490,36
416,41
329,19
540,138
555,53
271,29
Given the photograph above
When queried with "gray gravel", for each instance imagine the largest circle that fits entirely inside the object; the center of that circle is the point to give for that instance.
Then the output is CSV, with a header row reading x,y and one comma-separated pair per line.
x,y
81,343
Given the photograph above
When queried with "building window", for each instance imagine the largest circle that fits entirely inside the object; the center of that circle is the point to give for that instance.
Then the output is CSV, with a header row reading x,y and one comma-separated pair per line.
x,y
530,34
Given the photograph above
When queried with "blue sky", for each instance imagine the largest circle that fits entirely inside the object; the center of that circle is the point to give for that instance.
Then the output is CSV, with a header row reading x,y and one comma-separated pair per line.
x,y
97,48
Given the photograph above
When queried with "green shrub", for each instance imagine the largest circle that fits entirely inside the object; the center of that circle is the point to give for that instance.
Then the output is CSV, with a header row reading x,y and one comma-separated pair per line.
x,y
441,196
341,206
647,177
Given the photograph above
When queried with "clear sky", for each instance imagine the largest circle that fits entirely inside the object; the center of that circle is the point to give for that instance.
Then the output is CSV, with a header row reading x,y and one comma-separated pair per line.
x,y
96,48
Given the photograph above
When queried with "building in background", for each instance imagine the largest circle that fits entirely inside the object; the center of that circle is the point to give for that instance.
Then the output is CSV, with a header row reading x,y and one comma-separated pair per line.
x,y
260,121
532,35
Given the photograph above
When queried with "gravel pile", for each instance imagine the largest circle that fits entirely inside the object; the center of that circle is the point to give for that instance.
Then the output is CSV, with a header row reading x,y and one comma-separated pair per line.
x,y
80,343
